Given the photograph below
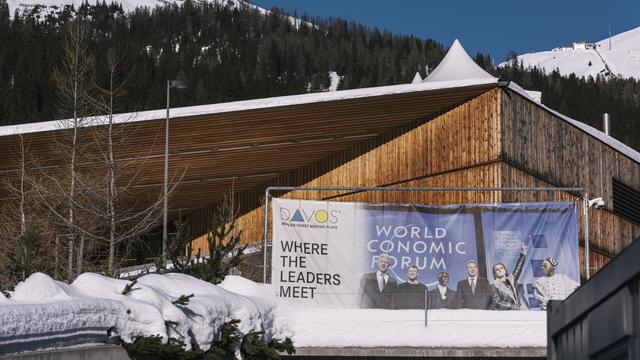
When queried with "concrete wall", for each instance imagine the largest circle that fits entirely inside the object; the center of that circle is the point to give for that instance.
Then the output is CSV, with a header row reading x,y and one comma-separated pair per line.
x,y
601,320
111,352
100,352
318,353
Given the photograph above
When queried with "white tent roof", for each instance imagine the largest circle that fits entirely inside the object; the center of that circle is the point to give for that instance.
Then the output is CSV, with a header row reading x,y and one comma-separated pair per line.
x,y
417,78
457,65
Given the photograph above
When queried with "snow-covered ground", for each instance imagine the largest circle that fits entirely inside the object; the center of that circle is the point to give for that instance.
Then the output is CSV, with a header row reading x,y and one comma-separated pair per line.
x,y
406,328
44,313
622,60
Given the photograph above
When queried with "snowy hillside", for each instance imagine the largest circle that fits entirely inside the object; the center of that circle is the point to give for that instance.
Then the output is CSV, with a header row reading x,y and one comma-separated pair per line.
x,y
52,6
622,60
128,5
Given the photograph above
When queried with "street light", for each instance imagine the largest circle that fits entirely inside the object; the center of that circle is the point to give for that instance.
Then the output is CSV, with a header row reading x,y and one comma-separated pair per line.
x,y
178,85
598,203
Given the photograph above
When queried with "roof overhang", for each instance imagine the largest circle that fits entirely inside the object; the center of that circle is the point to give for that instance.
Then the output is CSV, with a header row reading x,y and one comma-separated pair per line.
x,y
248,143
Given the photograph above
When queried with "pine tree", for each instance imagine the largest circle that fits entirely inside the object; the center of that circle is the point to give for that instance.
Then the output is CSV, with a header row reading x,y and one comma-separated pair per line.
x,y
252,346
25,246
225,251
180,245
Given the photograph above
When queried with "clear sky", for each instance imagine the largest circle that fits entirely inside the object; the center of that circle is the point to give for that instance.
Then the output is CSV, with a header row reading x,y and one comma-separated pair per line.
x,y
492,26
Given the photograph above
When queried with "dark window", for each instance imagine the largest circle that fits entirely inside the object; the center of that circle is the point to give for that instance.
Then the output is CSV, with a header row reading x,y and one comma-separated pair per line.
x,y
626,202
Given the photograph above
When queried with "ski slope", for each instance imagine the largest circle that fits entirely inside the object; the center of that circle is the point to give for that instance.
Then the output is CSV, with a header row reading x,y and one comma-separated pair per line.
x,y
623,60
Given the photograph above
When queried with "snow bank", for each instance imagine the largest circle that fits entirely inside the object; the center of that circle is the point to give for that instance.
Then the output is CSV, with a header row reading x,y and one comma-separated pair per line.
x,y
209,308
276,322
151,310
44,313
141,308
39,288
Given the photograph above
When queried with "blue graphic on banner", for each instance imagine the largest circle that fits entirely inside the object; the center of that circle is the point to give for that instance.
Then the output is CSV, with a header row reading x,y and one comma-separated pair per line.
x,y
445,238
432,238
547,230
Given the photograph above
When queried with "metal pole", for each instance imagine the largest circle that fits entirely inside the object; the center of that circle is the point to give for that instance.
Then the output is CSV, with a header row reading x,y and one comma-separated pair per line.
x,y
606,123
164,185
266,231
426,307
586,233
444,188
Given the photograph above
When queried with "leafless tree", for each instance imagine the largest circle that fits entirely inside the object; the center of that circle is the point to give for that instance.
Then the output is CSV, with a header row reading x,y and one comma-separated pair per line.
x,y
125,219
89,191
114,218
12,212
74,81
21,222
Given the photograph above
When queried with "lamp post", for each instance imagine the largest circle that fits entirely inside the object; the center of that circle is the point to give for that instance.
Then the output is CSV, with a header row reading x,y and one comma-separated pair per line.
x,y
179,85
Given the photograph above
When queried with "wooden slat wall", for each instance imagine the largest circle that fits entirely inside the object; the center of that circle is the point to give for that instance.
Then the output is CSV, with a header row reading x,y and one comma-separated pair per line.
x,y
251,145
539,145
533,137
466,136
252,223
608,233
491,140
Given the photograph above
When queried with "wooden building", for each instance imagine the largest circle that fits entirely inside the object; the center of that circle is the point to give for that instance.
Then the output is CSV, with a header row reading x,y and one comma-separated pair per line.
x,y
497,136
460,127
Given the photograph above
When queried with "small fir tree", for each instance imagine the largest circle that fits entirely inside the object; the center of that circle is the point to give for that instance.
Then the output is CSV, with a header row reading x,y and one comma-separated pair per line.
x,y
254,347
25,245
225,251
182,300
180,246
251,346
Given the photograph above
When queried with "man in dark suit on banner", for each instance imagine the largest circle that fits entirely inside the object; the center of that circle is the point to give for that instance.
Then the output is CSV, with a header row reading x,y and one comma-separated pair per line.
x,y
410,294
442,297
474,292
376,288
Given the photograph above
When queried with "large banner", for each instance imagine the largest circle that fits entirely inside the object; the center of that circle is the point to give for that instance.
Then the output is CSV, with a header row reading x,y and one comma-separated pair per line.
x,y
338,254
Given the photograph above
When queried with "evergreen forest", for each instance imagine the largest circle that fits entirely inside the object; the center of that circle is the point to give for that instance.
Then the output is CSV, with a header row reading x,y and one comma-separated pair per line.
x,y
225,54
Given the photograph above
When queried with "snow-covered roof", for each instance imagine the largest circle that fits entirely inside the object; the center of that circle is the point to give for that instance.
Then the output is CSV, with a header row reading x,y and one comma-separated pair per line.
x,y
256,104
457,65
